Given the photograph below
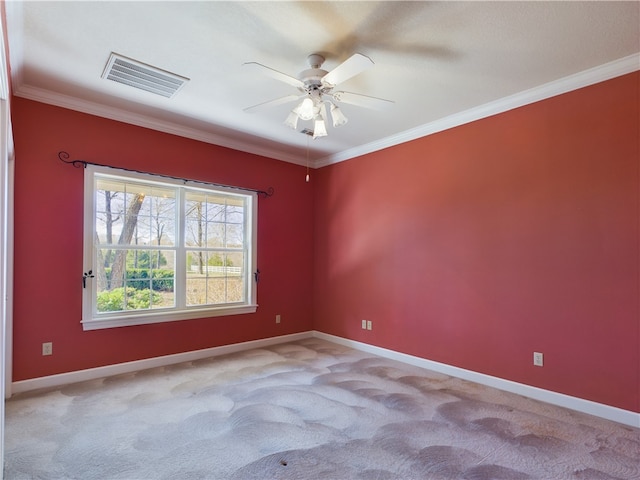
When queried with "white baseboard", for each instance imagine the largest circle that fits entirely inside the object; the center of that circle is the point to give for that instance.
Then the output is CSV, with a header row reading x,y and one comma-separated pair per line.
x,y
619,415
128,367
615,414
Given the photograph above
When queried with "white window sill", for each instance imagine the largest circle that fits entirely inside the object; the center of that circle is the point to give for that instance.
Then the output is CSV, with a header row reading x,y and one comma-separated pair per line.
x,y
161,317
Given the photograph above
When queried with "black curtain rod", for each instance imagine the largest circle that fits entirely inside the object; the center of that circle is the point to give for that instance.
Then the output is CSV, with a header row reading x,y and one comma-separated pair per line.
x,y
64,156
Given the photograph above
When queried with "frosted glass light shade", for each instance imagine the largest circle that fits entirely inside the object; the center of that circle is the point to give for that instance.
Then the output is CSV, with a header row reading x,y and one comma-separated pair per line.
x,y
292,120
305,110
337,116
319,128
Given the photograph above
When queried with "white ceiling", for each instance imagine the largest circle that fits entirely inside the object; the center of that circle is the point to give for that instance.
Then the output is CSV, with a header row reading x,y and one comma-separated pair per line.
x,y
442,63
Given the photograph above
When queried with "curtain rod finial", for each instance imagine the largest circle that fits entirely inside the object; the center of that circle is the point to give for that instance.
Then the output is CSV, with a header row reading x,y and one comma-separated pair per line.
x,y
64,156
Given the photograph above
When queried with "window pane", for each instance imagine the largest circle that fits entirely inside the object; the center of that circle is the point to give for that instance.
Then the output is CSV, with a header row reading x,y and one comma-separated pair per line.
x,y
214,220
135,279
156,220
163,277
215,234
235,277
215,291
215,278
134,213
215,210
109,212
234,236
235,214
197,271
196,290
194,224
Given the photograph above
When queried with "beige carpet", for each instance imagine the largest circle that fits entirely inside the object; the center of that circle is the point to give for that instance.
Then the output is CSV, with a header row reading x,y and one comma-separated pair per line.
x,y
305,410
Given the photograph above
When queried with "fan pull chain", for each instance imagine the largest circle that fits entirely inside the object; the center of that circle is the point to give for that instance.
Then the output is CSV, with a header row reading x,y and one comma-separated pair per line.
x,y
307,177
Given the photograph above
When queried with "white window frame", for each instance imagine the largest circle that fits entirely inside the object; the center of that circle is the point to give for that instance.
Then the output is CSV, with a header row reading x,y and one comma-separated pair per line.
x,y
91,320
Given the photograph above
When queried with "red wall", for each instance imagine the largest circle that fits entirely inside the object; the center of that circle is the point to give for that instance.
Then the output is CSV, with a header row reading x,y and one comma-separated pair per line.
x,y
48,240
473,247
479,245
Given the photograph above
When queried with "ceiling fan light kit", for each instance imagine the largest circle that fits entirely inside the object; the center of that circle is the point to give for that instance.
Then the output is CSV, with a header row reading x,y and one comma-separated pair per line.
x,y
316,86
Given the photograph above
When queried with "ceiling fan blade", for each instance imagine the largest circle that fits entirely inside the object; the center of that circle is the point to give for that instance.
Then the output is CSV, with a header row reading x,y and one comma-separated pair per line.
x,y
366,101
283,77
352,66
272,103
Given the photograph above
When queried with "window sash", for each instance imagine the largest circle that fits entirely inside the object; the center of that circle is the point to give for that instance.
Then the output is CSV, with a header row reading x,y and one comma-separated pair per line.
x,y
178,246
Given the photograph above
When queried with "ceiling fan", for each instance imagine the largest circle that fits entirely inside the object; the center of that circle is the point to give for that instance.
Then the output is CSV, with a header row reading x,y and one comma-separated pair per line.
x,y
316,87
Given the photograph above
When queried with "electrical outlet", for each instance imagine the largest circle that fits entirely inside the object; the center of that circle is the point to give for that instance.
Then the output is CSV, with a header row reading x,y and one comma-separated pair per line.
x,y
364,324
277,318
538,359
47,348
369,324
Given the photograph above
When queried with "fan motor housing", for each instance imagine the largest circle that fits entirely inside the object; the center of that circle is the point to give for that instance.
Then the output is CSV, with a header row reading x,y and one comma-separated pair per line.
x,y
312,77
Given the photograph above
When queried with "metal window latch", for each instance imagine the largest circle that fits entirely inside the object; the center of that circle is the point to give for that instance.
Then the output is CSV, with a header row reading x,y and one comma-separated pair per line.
x,y
256,275
86,275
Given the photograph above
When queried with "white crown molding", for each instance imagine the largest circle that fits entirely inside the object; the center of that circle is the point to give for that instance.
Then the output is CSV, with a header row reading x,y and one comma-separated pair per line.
x,y
65,101
582,79
608,412
14,16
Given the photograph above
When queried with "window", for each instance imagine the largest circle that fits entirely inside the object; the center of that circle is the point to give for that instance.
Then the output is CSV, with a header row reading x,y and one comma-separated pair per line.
x,y
158,250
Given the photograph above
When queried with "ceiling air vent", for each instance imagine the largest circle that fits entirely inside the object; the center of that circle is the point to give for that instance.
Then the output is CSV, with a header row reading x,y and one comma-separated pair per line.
x,y
145,77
